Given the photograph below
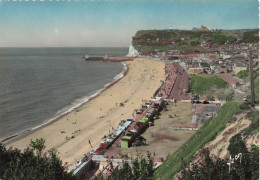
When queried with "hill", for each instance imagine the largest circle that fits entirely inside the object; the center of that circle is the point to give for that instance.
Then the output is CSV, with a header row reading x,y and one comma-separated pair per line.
x,y
192,40
209,131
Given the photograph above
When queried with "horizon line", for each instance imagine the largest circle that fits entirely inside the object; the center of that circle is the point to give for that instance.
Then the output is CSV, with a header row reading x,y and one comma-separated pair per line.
x,y
66,47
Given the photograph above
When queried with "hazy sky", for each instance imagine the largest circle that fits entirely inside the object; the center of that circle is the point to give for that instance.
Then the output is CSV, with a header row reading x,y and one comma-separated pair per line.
x,y
91,23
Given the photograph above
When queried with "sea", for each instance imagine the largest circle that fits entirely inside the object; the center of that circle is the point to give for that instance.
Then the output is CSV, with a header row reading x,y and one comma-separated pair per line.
x,y
38,85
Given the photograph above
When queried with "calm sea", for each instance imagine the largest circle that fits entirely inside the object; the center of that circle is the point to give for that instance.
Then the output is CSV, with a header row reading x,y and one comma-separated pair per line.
x,y
39,84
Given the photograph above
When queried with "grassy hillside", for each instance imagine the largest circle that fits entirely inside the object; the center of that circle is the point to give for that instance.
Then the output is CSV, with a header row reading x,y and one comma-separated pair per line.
x,y
243,75
200,84
254,126
192,39
153,34
256,90
206,133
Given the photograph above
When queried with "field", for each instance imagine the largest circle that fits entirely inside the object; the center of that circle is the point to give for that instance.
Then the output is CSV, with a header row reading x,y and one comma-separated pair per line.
x,y
201,84
161,140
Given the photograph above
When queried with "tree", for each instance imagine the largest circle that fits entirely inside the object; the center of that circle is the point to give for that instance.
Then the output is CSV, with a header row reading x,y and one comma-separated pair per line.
x,y
250,37
183,42
237,145
218,169
141,170
231,39
219,37
254,161
38,145
135,168
15,164
194,43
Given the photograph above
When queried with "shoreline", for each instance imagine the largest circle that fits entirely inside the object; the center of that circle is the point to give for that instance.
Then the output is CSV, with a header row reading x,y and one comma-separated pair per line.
x,y
71,134
17,136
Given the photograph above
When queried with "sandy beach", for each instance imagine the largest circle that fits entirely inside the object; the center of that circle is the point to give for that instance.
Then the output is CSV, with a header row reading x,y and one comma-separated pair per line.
x,y
71,134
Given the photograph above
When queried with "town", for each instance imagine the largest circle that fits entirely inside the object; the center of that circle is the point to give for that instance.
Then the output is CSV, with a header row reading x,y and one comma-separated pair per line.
x,y
224,56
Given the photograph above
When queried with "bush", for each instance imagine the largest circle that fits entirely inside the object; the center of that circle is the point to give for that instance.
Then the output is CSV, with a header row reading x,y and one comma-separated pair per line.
x,y
236,145
194,43
31,164
142,169
243,75
249,37
244,106
218,169
254,126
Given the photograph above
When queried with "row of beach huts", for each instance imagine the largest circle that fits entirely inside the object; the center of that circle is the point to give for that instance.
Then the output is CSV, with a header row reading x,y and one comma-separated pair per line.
x,y
126,133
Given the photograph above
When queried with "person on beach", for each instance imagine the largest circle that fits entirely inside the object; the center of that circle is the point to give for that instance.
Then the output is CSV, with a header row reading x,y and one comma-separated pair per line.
x,y
90,143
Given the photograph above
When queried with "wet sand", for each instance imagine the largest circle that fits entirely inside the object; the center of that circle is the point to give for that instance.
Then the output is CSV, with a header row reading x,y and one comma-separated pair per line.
x,y
71,134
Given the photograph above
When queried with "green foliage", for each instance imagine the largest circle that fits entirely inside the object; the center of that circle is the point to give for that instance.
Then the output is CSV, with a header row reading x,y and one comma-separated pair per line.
x,y
244,106
254,126
249,37
246,169
99,176
211,170
15,164
236,145
154,34
146,47
219,37
183,42
231,39
177,40
141,170
38,145
256,91
254,161
200,84
218,169
191,33
188,48
194,43
243,75
210,129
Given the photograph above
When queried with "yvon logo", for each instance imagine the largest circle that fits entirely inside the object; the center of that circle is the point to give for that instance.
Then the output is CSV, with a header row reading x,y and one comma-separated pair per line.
x,y
232,160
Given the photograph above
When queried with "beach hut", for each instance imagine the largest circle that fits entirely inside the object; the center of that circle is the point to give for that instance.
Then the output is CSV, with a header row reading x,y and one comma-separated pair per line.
x,y
82,169
144,120
126,142
130,118
151,113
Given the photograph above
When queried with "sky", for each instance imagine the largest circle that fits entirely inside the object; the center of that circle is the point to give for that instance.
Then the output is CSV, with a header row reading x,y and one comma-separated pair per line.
x,y
112,23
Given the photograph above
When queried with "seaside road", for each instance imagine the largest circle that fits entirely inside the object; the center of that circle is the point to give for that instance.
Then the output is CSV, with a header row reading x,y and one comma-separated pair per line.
x,y
71,134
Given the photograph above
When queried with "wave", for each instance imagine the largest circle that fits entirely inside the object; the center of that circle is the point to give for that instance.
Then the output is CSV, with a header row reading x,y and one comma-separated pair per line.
x,y
71,107
79,102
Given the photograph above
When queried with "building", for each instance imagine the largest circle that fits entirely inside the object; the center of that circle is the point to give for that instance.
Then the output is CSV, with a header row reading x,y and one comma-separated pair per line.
x,y
223,69
239,67
201,29
195,70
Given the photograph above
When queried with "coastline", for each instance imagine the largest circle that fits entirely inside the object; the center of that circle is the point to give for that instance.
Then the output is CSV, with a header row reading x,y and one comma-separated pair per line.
x,y
94,119
17,136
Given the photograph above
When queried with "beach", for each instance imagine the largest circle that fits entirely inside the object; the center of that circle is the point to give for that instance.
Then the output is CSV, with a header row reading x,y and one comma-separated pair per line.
x,y
71,134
